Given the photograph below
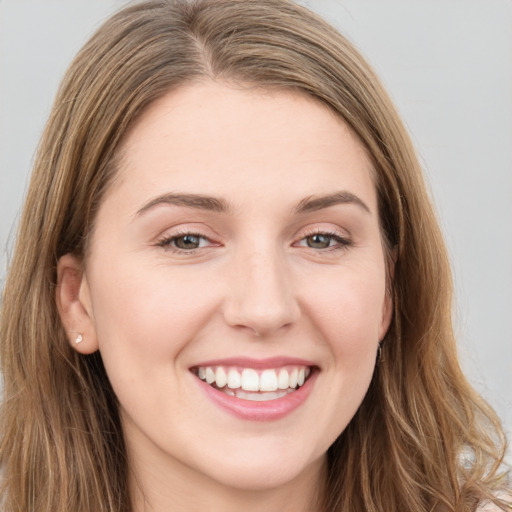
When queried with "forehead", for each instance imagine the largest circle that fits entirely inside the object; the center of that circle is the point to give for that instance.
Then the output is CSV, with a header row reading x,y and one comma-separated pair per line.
x,y
220,138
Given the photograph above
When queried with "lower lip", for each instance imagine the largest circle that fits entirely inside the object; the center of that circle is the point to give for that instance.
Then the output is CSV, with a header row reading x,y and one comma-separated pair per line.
x,y
270,410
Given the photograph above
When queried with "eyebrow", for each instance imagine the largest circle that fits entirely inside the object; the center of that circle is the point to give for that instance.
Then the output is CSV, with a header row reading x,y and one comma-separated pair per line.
x,y
197,201
312,203
219,205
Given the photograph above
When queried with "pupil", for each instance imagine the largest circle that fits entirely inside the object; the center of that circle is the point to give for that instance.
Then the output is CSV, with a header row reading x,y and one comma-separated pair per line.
x,y
318,241
187,242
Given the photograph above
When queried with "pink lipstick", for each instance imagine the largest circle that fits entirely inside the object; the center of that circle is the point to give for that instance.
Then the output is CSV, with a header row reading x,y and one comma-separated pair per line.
x,y
257,390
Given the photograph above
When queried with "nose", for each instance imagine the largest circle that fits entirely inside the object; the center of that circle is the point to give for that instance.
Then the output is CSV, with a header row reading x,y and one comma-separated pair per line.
x,y
261,298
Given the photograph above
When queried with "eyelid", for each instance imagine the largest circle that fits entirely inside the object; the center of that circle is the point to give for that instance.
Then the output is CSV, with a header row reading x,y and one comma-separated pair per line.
x,y
165,241
323,229
343,240
184,228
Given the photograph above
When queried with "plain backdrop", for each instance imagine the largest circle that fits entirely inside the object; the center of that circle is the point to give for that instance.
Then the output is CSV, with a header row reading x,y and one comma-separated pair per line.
x,y
448,67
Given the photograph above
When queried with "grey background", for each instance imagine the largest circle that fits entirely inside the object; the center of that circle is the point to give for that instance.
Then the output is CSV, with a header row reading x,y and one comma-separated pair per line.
x,y
448,67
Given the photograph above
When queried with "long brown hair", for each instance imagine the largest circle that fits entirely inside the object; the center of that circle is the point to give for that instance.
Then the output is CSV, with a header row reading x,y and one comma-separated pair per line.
x,y
421,441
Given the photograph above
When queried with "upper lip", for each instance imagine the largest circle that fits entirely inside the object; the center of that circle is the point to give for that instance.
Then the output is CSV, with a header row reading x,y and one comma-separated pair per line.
x,y
246,362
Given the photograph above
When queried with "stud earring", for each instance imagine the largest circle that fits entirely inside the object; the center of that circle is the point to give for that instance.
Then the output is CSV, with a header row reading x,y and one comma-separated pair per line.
x,y
79,338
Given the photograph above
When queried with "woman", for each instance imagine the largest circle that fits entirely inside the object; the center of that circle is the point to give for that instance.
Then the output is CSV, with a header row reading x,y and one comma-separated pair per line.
x,y
229,288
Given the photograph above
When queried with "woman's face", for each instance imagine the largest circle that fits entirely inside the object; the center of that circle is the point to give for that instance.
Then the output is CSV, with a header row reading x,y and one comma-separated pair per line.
x,y
240,242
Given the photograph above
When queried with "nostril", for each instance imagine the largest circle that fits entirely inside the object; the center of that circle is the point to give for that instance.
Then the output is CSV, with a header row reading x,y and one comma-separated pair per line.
x,y
260,295
261,323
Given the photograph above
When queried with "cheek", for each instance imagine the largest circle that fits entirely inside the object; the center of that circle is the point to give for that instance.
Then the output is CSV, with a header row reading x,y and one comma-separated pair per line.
x,y
145,315
347,308
347,312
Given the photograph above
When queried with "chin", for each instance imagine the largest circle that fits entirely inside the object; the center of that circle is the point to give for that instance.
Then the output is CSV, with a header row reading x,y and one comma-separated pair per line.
x,y
263,468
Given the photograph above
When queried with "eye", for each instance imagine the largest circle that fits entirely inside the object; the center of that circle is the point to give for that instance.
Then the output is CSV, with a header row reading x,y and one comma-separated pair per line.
x,y
187,242
319,241
184,242
323,241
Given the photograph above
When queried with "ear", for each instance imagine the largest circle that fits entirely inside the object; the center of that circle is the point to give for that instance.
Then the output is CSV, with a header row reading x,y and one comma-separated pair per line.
x,y
74,304
387,314
388,306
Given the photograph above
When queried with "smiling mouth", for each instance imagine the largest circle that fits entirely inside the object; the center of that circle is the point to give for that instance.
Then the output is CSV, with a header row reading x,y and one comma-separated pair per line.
x,y
254,385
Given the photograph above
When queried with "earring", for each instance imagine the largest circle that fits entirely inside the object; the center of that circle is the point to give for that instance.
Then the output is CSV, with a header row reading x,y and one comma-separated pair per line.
x,y
379,353
79,338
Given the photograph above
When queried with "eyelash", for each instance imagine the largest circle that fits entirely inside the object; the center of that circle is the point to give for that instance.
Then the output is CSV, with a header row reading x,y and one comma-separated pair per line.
x,y
166,242
341,242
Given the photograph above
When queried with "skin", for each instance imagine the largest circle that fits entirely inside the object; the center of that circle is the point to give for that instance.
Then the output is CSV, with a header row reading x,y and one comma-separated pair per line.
x,y
257,287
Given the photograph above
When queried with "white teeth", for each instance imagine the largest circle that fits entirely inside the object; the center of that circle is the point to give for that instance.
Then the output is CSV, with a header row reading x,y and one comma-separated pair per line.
x,y
269,383
250,380
209,375
283,381
293,378
268,380
234,379
302,377
221,379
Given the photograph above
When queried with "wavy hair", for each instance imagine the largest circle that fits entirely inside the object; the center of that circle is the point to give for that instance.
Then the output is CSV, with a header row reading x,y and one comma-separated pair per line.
x,y
422,440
